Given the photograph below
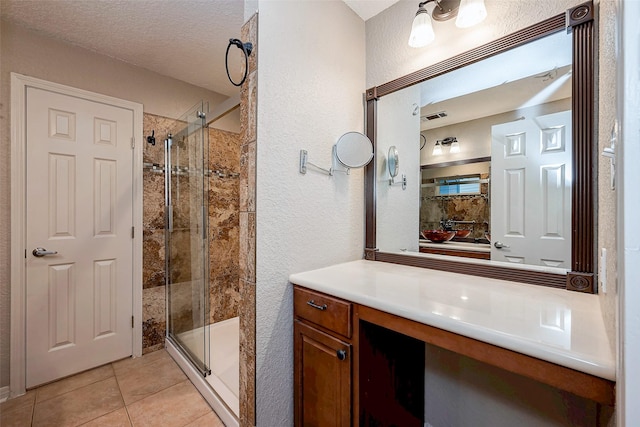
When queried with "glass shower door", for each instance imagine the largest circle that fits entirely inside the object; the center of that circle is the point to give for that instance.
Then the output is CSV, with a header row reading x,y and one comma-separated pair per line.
x,y
186,245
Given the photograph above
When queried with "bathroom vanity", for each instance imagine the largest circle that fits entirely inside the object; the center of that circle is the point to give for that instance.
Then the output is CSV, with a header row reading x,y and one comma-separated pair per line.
x,y
361,327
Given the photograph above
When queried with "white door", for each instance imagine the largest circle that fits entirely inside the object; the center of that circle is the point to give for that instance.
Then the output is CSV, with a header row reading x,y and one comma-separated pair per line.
x,y
531,191
79,204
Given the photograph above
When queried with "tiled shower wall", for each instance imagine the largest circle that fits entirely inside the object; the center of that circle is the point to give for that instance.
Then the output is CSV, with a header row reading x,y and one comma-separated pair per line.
x,y
224,161
153,277
248,126
224,223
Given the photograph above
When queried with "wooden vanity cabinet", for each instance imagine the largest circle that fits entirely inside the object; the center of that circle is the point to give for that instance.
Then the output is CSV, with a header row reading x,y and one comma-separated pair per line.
x,y
357,365
322,360
352,372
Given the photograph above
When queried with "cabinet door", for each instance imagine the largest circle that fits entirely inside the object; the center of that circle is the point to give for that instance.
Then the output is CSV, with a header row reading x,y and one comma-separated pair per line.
x,y
322,379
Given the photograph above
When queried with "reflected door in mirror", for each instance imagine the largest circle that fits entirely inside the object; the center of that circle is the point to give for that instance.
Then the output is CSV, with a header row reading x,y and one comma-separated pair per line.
x,y
531,191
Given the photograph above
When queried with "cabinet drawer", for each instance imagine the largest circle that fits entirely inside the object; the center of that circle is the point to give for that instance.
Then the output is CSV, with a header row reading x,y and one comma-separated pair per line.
x,y
329,312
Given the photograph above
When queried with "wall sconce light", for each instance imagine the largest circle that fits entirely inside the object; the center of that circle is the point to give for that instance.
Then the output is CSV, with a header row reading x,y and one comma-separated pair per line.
x,y
467,13
451,141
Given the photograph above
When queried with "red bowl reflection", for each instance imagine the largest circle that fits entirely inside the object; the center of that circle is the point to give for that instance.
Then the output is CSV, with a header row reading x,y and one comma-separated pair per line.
x,y
462,233
438,236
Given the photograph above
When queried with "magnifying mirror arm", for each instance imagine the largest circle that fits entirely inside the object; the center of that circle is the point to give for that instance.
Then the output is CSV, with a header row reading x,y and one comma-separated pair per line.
x,y
346,171
403,181
304,162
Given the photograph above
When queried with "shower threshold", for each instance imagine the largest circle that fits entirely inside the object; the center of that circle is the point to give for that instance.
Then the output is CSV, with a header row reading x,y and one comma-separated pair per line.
x,y
221,388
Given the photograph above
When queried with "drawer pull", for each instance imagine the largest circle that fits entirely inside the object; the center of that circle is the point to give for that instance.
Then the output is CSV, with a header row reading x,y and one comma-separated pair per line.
x,y
312,303
341,354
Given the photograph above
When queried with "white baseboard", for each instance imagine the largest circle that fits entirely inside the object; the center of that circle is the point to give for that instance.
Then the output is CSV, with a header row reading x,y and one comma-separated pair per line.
x,y
4,393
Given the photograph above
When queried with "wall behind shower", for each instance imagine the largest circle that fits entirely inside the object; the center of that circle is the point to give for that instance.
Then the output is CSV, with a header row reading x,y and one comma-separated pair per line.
x,y
224,224
153,243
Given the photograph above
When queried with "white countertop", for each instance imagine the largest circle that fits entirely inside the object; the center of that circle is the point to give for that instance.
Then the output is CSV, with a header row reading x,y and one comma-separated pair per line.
x,y
555,325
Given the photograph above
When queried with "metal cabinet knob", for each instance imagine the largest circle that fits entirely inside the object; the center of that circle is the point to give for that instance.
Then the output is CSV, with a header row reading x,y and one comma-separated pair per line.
x,y
341,354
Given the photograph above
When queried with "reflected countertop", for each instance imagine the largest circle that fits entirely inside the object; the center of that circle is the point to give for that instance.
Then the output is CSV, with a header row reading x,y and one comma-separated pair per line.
x,y
459,246
555,325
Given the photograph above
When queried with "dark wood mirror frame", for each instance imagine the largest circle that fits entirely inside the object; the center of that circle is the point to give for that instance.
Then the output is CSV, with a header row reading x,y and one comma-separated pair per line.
x,y
580,20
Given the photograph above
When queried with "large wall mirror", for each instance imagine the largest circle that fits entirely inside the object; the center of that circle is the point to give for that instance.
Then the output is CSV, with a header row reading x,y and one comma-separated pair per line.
x,y
497,146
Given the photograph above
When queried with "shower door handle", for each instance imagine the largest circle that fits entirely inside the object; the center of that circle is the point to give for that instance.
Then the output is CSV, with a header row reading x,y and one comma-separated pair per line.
x,y
170,218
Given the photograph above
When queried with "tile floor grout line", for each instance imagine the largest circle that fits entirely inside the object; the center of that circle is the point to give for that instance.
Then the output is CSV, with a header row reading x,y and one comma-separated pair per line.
x,y
157,391
33,409
69,391
126,407
99,416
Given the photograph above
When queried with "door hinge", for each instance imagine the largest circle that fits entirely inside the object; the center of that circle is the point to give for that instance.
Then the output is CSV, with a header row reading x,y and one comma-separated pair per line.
x,y
131,322
133,142
133,232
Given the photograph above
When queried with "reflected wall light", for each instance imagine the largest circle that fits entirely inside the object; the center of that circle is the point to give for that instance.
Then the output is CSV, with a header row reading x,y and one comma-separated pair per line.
x,y
451,141
468,13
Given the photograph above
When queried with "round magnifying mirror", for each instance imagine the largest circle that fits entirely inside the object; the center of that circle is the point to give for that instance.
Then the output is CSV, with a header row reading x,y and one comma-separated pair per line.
x,y
354,150
392,161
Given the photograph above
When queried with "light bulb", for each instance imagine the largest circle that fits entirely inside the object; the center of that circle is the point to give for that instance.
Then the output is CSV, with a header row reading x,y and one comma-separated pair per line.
x,y
471,12
422,30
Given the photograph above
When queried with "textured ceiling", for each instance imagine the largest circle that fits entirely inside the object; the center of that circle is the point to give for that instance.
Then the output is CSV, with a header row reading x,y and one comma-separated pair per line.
x,y
183,39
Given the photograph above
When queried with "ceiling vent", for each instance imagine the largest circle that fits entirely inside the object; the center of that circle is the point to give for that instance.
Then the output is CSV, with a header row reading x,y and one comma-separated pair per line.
x,y
438,115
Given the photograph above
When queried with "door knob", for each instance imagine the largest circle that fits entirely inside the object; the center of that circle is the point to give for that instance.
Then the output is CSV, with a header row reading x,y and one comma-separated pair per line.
x,y
40,252
500,245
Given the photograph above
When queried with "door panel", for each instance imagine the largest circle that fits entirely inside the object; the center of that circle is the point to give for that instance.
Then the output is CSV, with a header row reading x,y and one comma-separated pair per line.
x,y
79,204
531,191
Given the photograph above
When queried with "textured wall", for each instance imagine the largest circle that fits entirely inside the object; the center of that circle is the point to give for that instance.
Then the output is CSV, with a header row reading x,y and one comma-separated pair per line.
x,y
29,53
310,84
389,57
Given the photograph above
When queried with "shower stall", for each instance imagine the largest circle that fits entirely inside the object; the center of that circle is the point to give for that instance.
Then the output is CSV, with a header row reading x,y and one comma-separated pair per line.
x,y
207,351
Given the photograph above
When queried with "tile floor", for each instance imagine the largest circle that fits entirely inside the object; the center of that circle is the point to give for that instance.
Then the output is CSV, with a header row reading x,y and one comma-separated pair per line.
x,y
146,391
